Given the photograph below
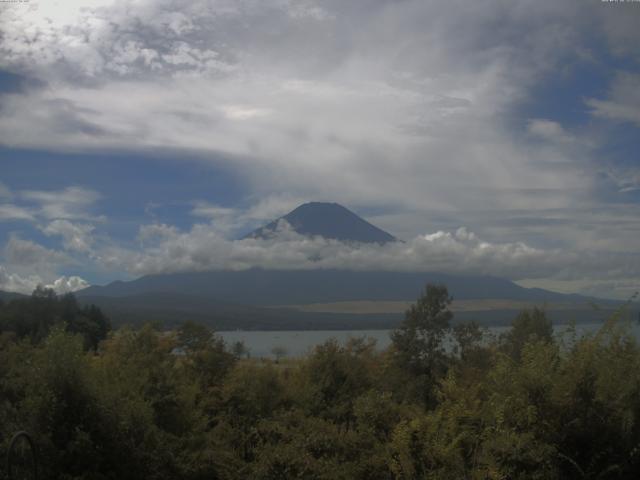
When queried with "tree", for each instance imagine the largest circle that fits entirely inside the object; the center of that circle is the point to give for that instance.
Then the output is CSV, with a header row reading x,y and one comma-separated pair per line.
x,y
333,376
88,321
44,293
527,326
418,343
99,325
240,350
468,337
279,352
205,354
35,316
193,336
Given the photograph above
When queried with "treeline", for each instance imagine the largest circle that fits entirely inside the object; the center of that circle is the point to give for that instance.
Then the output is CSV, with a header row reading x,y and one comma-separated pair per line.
x,y
143,403
34,317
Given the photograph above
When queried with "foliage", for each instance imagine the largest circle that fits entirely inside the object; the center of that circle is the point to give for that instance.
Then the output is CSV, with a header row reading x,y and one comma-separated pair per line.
x,y
528,325
34,317
418,348
440,403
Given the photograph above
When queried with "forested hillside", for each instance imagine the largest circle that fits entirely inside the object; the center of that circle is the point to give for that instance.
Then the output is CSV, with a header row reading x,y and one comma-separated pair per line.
x,y
183,405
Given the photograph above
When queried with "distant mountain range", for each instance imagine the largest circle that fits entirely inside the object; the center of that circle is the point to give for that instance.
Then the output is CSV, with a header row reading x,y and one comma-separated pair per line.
x,y
7,296
328,220
272,299
259,299
260,287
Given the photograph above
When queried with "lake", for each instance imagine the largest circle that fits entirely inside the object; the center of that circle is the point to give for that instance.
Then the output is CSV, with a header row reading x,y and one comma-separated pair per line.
x,y
300,342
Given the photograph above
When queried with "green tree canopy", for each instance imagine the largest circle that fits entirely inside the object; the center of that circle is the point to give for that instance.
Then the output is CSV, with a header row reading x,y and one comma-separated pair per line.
x,y
418,342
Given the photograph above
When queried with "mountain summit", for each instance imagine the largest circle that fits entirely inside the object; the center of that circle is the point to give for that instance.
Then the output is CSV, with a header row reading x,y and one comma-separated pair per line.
x,y
328,220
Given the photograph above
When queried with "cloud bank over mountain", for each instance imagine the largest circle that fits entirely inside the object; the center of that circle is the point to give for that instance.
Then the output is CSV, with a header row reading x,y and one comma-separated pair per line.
x,y
163,248
461,251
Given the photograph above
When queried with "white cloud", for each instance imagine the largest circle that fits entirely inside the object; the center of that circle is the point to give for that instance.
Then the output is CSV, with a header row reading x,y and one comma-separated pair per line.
x,y
28,264
33,264
204,248
599,270
233,221
548,130
70,203
596,261
626,179
209,210
273,206
11,282
57,205
237,112
156,232
28,255
406,110
623,101
102,37
76,237
9,211
68,284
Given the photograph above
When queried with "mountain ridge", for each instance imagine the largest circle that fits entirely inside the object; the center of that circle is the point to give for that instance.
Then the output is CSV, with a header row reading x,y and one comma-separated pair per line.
x,y
262,299
259,286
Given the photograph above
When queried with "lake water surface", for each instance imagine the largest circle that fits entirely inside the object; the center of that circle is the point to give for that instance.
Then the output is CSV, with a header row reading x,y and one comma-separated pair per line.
x,y
300,342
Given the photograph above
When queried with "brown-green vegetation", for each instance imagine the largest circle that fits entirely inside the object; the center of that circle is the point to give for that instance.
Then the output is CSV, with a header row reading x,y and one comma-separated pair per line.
x,y
142,403
398,306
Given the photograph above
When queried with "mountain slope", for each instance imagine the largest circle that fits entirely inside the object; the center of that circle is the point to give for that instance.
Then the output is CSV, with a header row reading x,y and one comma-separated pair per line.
x,y
8,296
283,287
328,220
228,300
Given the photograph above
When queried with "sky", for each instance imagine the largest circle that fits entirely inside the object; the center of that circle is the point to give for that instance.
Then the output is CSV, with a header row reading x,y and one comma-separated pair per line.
x,y
495,137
